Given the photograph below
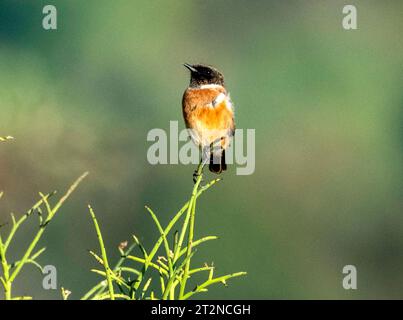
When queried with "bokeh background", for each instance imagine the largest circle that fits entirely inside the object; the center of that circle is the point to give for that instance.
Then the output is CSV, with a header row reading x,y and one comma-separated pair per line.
x,y
326,105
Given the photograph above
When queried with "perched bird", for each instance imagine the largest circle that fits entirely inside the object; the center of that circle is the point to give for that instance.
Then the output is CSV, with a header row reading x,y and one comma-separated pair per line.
x,y
209,114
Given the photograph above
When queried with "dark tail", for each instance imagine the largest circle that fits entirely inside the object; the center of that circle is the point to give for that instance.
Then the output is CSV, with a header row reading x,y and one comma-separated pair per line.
x,y
217,163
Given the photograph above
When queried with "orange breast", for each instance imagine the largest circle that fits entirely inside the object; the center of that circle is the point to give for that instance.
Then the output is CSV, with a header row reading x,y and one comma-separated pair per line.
x,y
209,124
217,118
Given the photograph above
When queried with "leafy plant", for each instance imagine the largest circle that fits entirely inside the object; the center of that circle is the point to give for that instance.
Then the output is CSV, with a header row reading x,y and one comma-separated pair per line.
x,y
11,270
171,270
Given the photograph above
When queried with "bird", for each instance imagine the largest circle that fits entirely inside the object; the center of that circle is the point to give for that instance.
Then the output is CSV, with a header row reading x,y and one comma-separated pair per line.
x,y
209,114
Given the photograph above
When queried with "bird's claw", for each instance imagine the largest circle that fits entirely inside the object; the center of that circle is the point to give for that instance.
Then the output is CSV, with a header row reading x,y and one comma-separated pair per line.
x,y
196,176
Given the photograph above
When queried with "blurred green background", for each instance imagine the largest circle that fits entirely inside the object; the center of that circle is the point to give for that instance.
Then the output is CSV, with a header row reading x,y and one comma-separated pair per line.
x,y
326,105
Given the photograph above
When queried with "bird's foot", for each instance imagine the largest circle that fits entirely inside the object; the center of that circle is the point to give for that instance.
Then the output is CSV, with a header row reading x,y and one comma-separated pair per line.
x,y
196,176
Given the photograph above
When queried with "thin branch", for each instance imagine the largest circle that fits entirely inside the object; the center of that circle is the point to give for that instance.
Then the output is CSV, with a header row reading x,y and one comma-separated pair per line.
x,y
103,253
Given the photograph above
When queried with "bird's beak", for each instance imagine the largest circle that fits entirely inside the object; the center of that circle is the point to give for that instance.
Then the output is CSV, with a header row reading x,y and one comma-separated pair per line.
x,y
190,67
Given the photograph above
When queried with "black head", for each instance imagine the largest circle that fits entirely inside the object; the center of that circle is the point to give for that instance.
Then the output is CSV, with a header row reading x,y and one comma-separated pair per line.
x,y
202,74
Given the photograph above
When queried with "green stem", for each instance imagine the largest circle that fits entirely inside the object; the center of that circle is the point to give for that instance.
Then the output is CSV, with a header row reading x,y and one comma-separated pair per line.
x,y
189,249
163,235
17,224
190,218
103,253
6,272
209,282
100,287
195,194
168,229
51,213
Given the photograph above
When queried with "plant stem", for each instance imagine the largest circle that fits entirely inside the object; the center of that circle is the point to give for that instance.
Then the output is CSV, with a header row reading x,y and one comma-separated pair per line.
x,y
51,214
167,230
17,224
195,193
103,253
100,287
199,171
4,139
209,282
191,219
189,249
6,272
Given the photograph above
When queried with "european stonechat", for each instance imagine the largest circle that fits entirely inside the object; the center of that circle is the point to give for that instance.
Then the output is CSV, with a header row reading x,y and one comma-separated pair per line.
x,y
209,114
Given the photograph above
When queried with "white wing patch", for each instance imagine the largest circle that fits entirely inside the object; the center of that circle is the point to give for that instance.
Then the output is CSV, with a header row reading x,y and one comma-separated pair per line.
x,y
220,98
